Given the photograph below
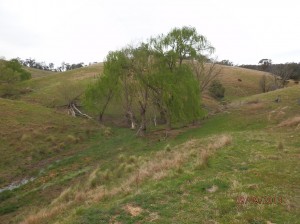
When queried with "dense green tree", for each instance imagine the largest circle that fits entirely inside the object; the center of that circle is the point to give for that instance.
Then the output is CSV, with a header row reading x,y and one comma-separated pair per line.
x,y
180,44
12,71
152,79
99,94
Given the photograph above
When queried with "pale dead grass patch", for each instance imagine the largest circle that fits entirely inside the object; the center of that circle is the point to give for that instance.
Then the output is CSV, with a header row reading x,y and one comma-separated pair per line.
x,y
212,189
294,121
45,214
153,216
255,106
276,114
133,210
65,196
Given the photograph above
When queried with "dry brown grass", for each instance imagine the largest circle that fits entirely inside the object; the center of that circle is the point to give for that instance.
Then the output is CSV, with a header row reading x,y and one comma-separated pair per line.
x,y
155,169
45,214
276,114
294,121
133,210
255,106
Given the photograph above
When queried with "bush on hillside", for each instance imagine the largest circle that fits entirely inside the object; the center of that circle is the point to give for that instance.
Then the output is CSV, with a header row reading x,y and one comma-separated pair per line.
x,y
11,72
216,89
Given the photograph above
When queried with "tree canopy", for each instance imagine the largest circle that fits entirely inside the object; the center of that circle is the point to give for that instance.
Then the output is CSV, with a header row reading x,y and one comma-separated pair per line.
x,y
12,71
152,81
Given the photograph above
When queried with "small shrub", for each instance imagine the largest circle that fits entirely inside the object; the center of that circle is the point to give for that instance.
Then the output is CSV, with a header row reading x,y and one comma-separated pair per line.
x,y
216,89
132,159
280,146
168,148
179,170
71,139
121,158
204,156
50,138
105,175
120,171
107,132
61,146
8,209
129,168
5,195
25,137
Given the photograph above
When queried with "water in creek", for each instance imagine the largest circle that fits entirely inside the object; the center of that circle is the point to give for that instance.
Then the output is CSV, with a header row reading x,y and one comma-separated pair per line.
x,y
18,184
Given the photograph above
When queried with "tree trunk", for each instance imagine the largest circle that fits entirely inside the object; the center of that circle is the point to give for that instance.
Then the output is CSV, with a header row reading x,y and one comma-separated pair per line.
x,y
109,97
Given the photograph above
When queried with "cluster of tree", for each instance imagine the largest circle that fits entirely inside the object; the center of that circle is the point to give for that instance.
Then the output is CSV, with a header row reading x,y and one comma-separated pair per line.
x,y
225,62
32,63
153,81
12,71
284,71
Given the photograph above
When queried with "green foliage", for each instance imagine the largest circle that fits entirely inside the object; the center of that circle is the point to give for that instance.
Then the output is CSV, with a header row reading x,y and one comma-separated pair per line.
x,y
149,79
99,94
8,209
11,72
180,94
179,44
216,89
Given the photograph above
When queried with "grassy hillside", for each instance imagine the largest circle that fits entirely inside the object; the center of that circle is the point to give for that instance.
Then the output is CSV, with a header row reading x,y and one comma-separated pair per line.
x,y
199,176
36,73
80,172
50,90
32,133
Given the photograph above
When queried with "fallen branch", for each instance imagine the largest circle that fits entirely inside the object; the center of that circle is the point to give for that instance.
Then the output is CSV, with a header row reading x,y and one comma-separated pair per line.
x,y
74,110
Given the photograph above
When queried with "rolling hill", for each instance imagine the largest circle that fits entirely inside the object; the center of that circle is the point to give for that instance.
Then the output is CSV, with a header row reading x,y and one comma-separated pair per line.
x,y
72,170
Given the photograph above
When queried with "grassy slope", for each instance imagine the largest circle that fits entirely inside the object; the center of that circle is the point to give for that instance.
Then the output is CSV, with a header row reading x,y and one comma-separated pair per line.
x,y
31,138
183,189
252,165
35,73
30,133
249,84
48,90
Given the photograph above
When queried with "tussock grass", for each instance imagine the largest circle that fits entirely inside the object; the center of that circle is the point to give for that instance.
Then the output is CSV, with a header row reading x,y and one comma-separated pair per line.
x,y
206,153
280,146
45,214
72,139
50,138
107,132
25,137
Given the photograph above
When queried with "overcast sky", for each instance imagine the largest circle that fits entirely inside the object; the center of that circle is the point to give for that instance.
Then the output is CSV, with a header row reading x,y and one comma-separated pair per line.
x,y
85,31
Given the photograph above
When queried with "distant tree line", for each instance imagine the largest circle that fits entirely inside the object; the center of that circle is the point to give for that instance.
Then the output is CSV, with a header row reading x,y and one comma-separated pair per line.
x,y
225,62
284,71
32,63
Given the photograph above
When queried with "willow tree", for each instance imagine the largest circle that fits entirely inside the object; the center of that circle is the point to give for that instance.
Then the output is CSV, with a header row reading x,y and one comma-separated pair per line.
x,y
170,51
99,94
180,44
151,78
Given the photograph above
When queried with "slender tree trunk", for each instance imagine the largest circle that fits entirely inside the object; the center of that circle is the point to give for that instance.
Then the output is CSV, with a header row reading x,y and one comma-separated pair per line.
x,y
100,118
